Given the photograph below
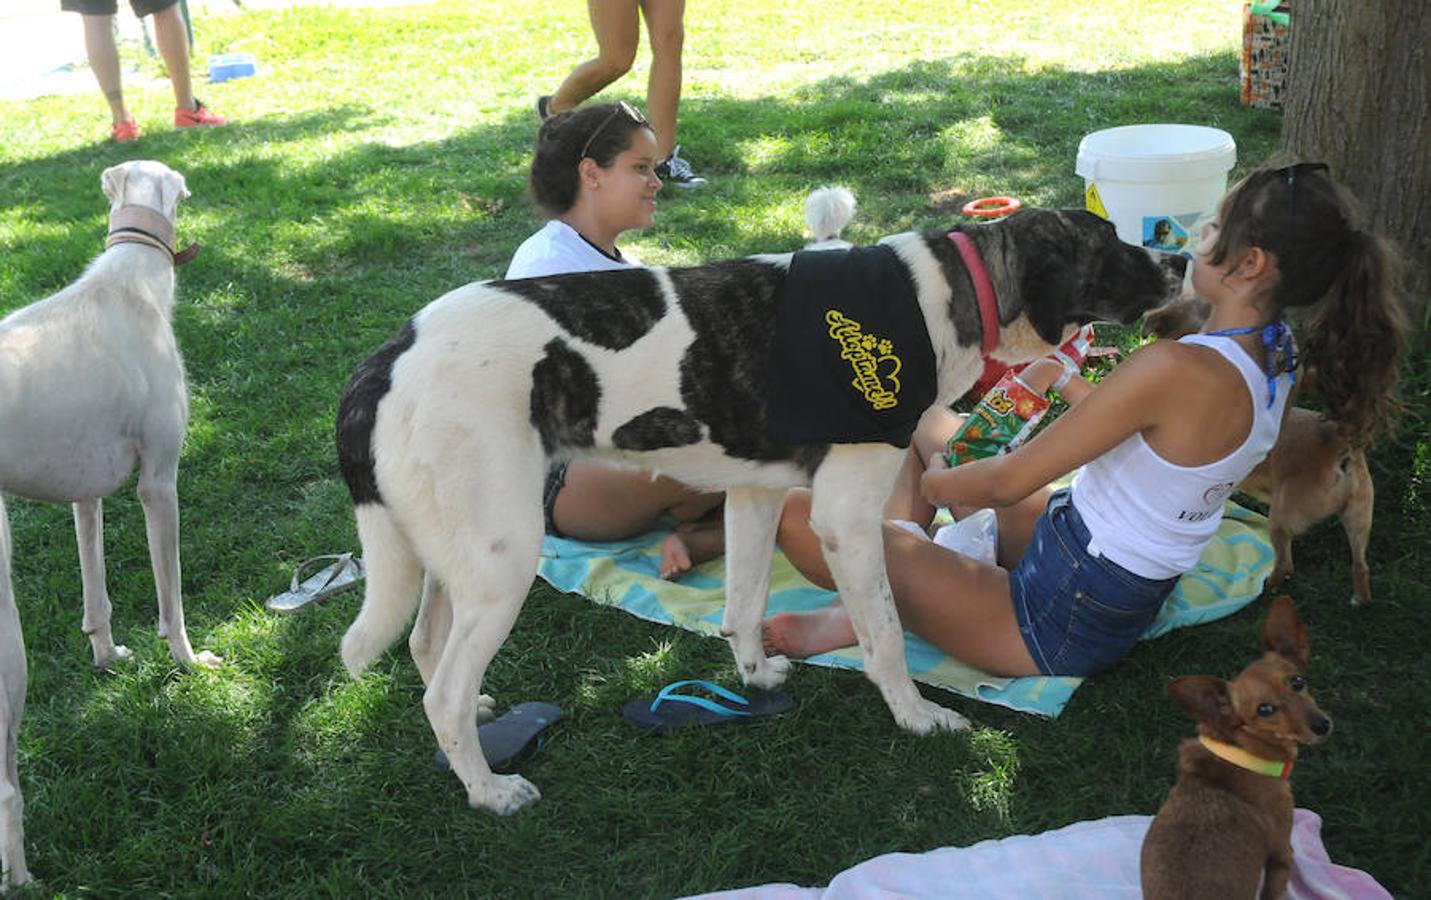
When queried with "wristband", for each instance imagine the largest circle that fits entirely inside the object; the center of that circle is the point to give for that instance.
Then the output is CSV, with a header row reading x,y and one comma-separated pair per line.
x,y
1069,370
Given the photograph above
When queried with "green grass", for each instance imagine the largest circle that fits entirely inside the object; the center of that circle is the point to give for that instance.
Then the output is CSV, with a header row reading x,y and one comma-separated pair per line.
x,y
379,161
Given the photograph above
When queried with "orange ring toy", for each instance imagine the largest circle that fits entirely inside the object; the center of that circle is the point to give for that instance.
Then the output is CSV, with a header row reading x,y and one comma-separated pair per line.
x,y
989,207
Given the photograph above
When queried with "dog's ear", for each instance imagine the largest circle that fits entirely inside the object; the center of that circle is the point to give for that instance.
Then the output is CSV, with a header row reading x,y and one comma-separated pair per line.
x,y
1049,288
112,180
1204,698
1284,634
172,190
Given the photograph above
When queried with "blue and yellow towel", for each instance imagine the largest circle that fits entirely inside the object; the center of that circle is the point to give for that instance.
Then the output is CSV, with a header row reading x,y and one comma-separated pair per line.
x,y
624,574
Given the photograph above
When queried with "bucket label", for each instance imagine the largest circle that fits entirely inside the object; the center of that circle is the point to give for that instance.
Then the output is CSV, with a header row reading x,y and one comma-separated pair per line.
x,y
1170,233
1093,202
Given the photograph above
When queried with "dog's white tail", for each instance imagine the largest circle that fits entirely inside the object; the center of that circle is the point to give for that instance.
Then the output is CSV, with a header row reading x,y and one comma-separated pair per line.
x,y
392,589
827,211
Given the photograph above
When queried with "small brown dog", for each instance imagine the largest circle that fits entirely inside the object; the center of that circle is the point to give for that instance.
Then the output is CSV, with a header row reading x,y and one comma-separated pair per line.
x,y
1228,818
1312,472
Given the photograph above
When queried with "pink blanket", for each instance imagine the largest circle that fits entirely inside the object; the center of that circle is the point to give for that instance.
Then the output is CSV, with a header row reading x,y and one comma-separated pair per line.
x,y
1095,859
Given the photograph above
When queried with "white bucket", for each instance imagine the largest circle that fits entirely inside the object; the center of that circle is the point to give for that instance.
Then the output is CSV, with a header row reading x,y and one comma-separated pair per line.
x,y
1154,182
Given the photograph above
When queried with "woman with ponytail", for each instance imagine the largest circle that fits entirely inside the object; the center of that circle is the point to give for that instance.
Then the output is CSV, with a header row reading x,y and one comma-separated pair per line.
x,y
1161,441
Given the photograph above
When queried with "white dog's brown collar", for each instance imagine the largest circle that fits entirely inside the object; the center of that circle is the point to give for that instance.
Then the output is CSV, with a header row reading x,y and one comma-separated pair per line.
x,y
142,225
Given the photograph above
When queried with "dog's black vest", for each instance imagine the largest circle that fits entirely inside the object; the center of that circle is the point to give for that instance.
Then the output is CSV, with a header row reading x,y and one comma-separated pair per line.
x,y
852,362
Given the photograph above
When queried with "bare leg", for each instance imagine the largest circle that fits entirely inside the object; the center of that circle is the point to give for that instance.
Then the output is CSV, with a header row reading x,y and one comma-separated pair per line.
x,y
616,25
429,637
606,503
104,62
160,498
89,531
946,598
1356,521
14,679
173,40
751,517
848,488
666,32
691,544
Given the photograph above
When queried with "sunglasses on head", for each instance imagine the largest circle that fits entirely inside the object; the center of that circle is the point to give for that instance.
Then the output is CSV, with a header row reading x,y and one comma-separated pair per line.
x,y
631,112
1290,173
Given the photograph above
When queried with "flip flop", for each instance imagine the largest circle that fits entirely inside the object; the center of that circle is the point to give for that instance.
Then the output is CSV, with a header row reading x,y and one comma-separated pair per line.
x,y
671,711
345,572
512,736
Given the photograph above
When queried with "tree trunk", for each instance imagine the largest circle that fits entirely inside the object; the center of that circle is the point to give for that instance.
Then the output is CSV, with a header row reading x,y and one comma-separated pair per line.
x,y
1357,97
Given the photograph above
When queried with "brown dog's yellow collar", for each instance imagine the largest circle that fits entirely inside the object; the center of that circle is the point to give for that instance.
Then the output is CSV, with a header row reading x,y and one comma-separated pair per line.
x,y
1239,757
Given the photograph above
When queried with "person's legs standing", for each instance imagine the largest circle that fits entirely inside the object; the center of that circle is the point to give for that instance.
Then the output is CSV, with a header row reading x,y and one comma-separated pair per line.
x,y
171,33
172,39
666,32
103,56
616,25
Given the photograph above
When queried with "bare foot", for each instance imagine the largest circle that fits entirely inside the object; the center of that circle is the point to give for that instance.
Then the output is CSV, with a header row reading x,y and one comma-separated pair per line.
x,y
802,634
675,557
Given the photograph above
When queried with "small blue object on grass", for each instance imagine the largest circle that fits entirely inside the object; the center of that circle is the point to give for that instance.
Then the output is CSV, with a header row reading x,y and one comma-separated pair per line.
x,y
225,66
671,710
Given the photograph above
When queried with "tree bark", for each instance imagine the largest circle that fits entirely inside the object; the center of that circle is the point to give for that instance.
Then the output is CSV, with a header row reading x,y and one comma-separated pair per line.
x,y
1357,97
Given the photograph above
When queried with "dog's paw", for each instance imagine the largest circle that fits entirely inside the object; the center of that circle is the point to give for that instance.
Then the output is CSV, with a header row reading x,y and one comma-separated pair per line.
x,y
927,716
486,708
503,794
206,660
116,655
769,673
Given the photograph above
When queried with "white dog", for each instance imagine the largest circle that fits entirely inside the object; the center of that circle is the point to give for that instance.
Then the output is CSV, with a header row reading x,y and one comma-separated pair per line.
x,y
749,376
827,211
91,382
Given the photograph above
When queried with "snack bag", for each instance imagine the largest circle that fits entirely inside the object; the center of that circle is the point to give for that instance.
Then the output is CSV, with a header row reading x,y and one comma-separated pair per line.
x,y
1002,420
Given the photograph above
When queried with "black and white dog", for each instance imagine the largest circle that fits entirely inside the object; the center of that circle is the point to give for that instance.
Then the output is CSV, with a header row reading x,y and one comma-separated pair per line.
x,y
709,375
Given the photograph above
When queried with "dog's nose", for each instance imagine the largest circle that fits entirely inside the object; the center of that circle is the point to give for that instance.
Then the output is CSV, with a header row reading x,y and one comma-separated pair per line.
x,y
1321,726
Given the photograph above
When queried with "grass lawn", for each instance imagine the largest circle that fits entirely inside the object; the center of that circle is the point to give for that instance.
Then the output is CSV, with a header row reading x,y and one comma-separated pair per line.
x,y
378,161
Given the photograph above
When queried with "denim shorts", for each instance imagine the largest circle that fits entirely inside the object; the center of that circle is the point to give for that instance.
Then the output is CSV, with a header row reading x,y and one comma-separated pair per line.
x,y
556,480
1078,614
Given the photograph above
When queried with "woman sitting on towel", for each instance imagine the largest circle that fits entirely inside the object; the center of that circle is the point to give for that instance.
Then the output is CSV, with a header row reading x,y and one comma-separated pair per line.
x,y
594,172
1162,442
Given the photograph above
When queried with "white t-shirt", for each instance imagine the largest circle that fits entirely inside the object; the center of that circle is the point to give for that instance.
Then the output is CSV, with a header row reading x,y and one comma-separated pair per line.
x,y
1154,518
557,249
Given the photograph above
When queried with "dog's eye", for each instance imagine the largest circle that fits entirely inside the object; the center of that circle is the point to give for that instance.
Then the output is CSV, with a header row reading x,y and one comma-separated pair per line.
x,y
1297,682
1265,709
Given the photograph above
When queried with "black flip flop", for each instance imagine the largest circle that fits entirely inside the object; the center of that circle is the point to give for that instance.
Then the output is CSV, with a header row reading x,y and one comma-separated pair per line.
x,y
512,736
672,711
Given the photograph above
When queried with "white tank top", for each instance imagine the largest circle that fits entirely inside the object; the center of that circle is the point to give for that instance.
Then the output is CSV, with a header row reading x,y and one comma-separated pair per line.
x,y
1154,518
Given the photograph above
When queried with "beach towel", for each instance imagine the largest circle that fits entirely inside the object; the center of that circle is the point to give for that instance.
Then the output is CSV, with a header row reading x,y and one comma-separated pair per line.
x,y
624,574
1097,859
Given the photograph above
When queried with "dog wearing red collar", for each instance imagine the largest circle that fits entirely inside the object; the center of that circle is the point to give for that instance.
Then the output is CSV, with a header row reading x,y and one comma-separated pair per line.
x,y
91,385
747,376
1227,824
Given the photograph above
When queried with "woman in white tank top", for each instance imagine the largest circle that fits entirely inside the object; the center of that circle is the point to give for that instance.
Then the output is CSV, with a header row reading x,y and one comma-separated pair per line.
x,y
1162,440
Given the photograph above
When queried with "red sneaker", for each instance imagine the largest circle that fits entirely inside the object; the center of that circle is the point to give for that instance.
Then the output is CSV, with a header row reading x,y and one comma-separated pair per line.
x,y
199,115
124,132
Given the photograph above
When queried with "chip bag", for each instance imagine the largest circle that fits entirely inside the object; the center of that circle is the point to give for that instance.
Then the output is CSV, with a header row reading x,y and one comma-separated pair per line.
x,y
1003,419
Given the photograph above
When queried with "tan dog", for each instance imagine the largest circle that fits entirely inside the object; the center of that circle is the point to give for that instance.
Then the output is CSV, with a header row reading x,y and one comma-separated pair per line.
x,y
1228,820
1312,472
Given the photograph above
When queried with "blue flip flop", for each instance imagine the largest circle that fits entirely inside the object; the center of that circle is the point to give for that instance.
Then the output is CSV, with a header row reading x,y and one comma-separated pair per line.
x,y
671,710
512,736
